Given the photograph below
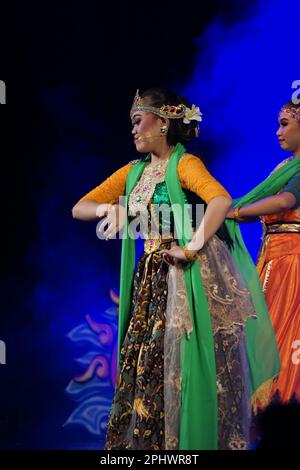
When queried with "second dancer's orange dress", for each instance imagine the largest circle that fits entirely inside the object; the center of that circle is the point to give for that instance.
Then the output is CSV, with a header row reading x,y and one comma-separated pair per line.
x,y
279,269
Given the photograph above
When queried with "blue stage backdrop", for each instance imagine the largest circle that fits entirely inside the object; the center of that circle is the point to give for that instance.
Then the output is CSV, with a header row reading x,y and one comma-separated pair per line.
x,y
57,384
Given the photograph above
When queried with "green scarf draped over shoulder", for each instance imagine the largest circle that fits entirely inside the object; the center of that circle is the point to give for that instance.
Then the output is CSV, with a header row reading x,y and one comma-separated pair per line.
x,y
199,406
258,339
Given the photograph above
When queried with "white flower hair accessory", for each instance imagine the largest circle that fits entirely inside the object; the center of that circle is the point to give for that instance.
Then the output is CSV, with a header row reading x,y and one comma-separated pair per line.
x,y
192,114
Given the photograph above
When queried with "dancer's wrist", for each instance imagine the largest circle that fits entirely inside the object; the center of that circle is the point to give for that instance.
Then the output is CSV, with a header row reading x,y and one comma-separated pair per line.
x,y
103,209
191,255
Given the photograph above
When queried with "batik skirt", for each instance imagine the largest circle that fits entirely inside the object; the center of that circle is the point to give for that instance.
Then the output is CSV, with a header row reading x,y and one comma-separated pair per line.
x,y
145,413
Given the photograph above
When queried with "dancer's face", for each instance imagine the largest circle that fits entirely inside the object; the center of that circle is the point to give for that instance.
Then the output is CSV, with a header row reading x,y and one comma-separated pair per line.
x,y
288,133
146,131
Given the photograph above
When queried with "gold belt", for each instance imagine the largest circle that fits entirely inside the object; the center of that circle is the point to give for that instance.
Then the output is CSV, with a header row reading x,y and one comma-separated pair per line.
x,y
283,228
154,244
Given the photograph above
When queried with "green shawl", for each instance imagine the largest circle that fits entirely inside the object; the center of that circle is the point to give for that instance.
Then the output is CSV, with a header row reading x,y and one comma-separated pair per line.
x,y
199,411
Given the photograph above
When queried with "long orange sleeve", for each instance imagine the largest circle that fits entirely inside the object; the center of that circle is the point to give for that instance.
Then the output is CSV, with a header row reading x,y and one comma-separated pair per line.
x,y
194,176
110,190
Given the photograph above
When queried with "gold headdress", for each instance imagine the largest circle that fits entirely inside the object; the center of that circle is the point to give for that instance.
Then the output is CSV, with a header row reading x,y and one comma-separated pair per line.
x,y
168,111
293,112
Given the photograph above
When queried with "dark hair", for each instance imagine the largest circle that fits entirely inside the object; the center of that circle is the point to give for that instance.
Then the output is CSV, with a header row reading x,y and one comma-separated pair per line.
x,y
178,131
292,104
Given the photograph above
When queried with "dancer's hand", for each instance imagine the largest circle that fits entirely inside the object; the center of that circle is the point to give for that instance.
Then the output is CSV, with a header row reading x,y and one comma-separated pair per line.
x,y
174,255
102,209
113,222
230,214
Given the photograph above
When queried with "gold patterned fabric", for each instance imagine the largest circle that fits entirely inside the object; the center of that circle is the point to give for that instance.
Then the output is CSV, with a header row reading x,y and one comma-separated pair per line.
x,y
228,299
178,323
143,192
146,408
289,227
137,416
230,306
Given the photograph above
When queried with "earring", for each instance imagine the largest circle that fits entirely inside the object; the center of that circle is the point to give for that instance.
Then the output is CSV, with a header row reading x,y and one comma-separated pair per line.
x,y
163,130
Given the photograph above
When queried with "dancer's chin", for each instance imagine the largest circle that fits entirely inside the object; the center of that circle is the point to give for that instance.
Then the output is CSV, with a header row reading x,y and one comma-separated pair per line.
x,y
140,147
283,145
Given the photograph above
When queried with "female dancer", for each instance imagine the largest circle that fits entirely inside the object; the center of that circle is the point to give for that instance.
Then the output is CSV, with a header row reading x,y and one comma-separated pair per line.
x,y
190,326
277,202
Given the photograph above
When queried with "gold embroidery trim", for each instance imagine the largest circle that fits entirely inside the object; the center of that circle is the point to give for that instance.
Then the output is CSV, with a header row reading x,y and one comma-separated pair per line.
x,y
286,227
267,276
261,397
